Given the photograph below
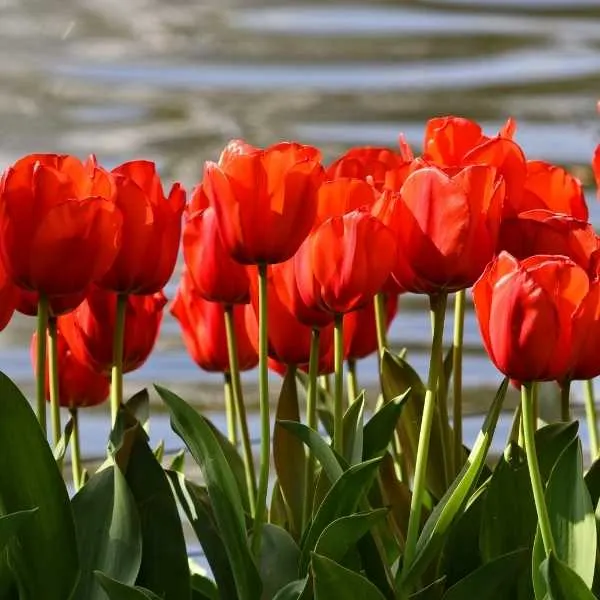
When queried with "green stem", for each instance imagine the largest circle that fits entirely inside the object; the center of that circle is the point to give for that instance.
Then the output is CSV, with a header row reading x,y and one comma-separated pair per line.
x,y
338,392
311,421
438,310
240,407
75,450
116,385
230,412
534,470
53,375
444,425
591,417
352,380
42,324
265,424
565,394
457,359
325,383
380,325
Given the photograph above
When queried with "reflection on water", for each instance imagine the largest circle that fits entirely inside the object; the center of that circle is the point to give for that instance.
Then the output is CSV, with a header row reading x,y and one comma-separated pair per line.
x,y
172,81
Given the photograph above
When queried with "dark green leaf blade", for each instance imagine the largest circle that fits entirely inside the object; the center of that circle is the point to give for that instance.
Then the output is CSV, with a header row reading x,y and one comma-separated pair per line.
x,y
115,590
562,582
379,430
10,525
279,556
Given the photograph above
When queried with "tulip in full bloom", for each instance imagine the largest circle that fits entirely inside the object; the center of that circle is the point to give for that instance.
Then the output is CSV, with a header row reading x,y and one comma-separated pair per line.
x,y
341,196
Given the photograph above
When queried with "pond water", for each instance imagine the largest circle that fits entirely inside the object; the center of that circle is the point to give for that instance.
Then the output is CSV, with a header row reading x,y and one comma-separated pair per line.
x,y
173,81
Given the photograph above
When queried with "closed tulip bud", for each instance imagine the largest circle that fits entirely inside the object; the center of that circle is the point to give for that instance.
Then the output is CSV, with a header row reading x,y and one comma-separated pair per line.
x,y
28,302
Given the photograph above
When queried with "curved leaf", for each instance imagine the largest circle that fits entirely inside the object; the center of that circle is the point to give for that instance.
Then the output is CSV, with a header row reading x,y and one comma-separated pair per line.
x,y
115,590
10,525
279,556
379,431
562,582
353,430
292,590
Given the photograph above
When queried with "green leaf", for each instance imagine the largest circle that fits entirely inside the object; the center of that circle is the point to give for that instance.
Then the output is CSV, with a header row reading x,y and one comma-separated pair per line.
x,y
178,462
61,448
288,454
342,499
115,590
562,582
379,431
43,551
159,451
139,406
203,588
279,556
10,525
108,532
222,490
433,591
292,590
492,581
451,505
353,430
334,581
550,441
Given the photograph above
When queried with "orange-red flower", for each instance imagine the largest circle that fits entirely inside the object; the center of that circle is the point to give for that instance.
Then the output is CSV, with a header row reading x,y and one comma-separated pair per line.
x,y
27,303
203,329
525,311
217,277
89,329
9,296
79,384
265,201
585,361
596,166
151,230
60,229
345,262
341,196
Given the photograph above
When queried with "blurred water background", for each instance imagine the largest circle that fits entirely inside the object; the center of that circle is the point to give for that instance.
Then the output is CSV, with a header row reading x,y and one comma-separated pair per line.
x,y
173,81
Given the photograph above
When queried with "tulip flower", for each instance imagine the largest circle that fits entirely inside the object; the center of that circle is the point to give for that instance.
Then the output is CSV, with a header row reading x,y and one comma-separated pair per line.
x,y
151,230
217,277
341,196
596,166
28,303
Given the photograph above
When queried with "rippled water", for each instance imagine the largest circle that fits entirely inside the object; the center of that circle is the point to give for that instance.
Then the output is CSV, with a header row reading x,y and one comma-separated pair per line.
x,y
173,81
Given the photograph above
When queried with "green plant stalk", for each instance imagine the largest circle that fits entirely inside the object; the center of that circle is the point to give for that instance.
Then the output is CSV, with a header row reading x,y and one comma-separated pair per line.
x,y
53,377
116,384
352,380
380,325
591,417
239,408
325,383
265,424
338,391
565,395
230,412
457,360
534,469
438,311
75,450
311,421
40,361
444,425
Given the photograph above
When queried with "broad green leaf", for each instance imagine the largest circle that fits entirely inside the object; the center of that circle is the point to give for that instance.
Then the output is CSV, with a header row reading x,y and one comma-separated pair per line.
x,y
203,588
222,490
434,591
292,590
550,441
159,451
63,443
115,590
10,525
492,581
342,499
379,431
334,581
562,582
43,551
353,430
451,505
279,556
108,532
139,406
178,462
288,454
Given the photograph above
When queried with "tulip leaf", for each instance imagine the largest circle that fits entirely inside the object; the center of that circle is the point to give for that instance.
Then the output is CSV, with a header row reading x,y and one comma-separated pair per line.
x,y
353,430
288,454
451,505
279,556
178,462
292,591
434,591
115,590
379,430
10,525
139,406
222,490
562,582
331,580
550,441
61,448
204,588
42,553
108,531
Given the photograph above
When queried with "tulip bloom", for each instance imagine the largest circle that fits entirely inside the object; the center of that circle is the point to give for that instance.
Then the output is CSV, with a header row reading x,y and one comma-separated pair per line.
x,y
79,384
447,228
9,297
265,201
596,166
585,363
203,330
217,277
89,329
341,196
60,227
28,302
151,230
525,310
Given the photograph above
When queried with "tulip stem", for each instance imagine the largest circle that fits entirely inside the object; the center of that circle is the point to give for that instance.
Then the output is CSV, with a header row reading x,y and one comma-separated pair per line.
x,y
116,386
230,412
53,376
565,394
42,324
380,326
534,470
438,313
311,421
75,450
591,416
265,424
352,380
338,391
457,359
239,407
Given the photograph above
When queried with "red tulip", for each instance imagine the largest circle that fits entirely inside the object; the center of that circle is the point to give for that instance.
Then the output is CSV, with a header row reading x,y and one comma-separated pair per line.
x,y
79,384
525,311
596,167
265,201
151,230
360,331
345,262
60,229
27,303
217,277
89,329
585,363
341,196
203,329
9,296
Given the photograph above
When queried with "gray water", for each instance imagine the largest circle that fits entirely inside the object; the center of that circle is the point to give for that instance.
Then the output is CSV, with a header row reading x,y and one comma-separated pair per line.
x,y
173,81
